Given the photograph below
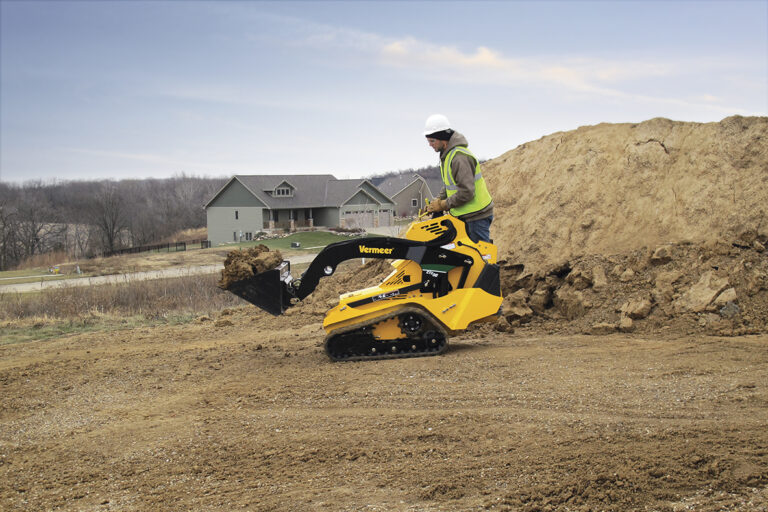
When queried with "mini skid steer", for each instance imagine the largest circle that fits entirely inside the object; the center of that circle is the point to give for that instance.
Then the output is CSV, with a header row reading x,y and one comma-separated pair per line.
x,y
441,283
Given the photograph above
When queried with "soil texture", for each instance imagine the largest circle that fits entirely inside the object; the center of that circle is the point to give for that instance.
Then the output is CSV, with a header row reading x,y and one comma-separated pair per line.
x,y
245,412
244,263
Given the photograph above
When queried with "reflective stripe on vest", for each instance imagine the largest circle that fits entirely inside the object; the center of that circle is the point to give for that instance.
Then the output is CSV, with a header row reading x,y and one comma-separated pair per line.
x,y
482,196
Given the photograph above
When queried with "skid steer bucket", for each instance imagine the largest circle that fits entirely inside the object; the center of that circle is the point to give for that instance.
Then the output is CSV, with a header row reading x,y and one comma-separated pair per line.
x,y
270,290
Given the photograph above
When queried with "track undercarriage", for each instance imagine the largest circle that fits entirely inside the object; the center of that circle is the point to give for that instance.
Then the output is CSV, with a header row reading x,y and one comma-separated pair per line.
x,y
420,335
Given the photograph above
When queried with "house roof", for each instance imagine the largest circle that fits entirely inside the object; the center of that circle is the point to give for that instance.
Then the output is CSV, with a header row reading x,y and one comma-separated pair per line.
x,y
309,190
394,184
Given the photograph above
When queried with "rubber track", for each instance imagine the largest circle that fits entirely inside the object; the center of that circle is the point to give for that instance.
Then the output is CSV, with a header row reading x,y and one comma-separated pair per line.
x,y
367,338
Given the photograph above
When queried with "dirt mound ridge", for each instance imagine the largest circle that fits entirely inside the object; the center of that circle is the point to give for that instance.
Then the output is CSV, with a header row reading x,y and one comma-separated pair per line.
x,y
611,188
716,288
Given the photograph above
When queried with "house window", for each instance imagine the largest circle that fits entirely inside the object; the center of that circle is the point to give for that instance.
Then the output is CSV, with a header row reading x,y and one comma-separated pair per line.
x,y
283,191
234,236
248,235
237,215
414,202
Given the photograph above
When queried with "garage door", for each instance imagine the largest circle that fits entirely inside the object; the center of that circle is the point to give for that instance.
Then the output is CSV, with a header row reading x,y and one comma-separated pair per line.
x,y
359,219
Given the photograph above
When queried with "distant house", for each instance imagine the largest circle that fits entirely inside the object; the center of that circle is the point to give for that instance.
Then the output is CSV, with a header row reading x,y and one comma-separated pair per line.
x,y
409,191
248,204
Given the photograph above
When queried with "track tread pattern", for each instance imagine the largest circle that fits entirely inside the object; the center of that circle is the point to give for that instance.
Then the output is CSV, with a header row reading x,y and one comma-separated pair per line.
x,y
356,342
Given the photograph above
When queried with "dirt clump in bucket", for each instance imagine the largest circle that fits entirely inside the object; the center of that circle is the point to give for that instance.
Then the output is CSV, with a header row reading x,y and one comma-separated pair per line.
x,y
242,264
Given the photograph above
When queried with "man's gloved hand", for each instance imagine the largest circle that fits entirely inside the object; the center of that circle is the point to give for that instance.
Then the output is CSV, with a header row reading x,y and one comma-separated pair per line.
x,y
437,205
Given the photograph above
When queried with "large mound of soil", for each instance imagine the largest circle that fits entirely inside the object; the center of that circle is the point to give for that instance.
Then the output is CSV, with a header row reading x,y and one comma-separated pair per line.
x,y
612,188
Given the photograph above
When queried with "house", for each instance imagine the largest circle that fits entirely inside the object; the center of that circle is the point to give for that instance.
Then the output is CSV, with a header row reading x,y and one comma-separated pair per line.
x,y
248,204
409,191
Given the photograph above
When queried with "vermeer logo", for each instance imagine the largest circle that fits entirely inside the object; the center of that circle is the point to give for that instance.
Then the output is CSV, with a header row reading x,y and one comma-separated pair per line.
x,y
374,250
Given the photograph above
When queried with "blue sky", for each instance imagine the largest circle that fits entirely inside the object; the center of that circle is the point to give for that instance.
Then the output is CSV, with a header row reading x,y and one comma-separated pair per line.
x,y
132,89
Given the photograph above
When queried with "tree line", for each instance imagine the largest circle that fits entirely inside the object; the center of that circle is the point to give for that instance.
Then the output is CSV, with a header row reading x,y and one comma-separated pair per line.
x,y
87,218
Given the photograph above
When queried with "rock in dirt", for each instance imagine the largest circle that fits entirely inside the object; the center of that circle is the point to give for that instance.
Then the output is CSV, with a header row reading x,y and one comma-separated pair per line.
x,y
602,328
730,310
515,307
701,295
241,264
579,278
637,308
627,275
570,303
626,324
541,299
724,298
662,255
599,280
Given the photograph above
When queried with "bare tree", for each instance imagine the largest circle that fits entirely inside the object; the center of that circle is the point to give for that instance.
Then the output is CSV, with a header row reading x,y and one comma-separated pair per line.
x,y
80,238
109,215
39,227
10,252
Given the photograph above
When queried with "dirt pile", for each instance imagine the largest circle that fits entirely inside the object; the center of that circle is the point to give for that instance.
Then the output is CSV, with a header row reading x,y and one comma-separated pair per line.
x,y
612,188
714,288
242,264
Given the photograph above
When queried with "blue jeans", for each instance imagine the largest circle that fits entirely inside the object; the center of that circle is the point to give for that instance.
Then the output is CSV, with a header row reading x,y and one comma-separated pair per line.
x,y
480,229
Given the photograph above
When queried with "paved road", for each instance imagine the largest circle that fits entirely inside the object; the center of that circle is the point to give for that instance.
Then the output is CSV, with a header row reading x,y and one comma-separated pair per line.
x,y
131,276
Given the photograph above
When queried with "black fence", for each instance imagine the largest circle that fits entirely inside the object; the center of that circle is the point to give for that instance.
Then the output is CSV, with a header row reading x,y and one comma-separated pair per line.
x,y
169,247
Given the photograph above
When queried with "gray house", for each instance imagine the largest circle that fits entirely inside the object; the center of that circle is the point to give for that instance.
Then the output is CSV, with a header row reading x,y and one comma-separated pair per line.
x,y
249,204
408,191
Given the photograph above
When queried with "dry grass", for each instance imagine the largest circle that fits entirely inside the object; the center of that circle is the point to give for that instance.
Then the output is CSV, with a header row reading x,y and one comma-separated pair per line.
x,y
149,299
46,260
61,258
187,234
55,312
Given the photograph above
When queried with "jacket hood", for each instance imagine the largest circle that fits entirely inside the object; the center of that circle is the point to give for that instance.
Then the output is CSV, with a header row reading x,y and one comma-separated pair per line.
x,y
456,139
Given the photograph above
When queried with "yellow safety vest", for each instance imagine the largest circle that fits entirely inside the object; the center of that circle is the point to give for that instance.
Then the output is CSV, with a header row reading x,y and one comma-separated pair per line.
x,y
482,196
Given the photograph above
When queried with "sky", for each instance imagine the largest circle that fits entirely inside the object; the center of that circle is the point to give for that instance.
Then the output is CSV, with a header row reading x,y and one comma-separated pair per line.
x,y
152,89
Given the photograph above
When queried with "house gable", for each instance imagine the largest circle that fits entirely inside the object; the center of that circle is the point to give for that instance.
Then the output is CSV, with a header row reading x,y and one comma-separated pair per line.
x,y
374,192
361,197
284,189
235,194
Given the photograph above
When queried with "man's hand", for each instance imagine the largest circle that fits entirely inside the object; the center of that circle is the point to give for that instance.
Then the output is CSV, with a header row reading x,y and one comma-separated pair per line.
x,y
437,205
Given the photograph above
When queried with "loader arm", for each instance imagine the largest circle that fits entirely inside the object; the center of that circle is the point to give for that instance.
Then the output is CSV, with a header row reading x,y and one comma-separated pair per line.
x,y
276,290
429,252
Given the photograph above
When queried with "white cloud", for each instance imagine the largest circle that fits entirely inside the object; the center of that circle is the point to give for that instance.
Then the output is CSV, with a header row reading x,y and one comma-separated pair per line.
x,y
486,64
579,75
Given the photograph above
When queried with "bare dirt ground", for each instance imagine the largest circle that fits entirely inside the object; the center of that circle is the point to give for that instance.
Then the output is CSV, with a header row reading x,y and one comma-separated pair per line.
x,y
629,371
245,412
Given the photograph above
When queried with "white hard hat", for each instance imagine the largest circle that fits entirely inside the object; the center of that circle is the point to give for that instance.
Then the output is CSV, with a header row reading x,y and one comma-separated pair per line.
x,y
436,123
